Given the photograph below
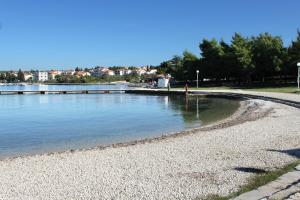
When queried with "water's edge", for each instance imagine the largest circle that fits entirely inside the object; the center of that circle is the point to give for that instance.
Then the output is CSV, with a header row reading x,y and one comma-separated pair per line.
x,y
245,107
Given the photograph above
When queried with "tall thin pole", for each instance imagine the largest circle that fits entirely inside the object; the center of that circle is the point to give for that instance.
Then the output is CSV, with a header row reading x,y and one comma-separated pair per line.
x,y
197,78
298,77
197,108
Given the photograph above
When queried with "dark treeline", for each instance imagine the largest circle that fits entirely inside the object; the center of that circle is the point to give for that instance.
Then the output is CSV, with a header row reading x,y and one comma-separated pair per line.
x,y
243,60
91,79
12,77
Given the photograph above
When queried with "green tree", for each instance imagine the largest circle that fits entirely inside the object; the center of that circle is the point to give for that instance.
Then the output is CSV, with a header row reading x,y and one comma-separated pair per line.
x,y
267,55
21,76
10,77
133,68
133,77
228,71
2,77
77,69
212,55
61,78
162,68
293,56
190,62
173,67
241,57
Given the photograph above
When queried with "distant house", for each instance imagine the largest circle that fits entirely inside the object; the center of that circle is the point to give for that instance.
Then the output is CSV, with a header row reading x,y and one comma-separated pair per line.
x,y
141,71
152,71
162,82
68,72
127,71
53,73
102,71
82,73
110,72
14,74
120,72
41,76
28,76
97,72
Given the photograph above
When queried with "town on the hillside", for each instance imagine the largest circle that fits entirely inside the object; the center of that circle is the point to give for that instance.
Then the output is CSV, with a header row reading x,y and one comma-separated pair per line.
x,y
147,74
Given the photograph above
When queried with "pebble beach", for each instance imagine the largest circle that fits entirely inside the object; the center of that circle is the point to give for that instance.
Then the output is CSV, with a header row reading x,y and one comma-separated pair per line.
x,y
189,165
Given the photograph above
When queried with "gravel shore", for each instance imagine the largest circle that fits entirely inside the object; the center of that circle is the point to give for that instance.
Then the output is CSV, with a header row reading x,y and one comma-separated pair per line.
x,y
211,160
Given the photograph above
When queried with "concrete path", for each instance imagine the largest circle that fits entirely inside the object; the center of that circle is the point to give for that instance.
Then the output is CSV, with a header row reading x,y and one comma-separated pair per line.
x,y
286,187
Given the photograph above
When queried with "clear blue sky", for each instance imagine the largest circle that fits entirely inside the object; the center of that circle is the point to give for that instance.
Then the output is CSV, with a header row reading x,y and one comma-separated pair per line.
x,y
44,34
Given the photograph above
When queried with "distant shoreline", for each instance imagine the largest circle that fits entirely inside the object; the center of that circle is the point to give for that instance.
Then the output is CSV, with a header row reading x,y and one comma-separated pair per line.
x,y
97,83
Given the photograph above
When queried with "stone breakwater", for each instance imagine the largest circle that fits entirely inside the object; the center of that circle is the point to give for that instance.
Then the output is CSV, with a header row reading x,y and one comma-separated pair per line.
x,y
188,165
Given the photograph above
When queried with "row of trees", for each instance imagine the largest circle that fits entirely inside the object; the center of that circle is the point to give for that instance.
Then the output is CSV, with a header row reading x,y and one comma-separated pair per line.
x,y
90,79
12,77
244,59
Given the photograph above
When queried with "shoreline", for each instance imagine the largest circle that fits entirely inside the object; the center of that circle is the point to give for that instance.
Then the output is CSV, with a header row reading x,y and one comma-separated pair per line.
x,y
192,164
94,83
245,108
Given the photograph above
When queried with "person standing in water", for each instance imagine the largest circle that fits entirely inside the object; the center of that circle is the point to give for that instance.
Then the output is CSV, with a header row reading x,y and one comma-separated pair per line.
x,y
186,88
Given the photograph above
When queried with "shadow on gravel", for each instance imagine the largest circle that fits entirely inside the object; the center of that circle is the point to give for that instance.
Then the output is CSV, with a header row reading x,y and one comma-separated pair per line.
x,y
291,152
250,170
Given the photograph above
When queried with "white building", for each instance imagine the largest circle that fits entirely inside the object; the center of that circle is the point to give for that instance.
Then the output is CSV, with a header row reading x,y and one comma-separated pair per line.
x,y
163,82
110,72
68,72
127,71
28,76
152,71
141,72
41,76
120,72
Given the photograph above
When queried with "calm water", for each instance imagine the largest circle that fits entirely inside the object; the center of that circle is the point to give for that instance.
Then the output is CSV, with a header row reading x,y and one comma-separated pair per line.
x,y
42,123
37,87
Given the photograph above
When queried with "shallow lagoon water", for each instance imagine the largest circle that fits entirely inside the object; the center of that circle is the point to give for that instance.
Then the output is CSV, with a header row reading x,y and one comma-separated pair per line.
x,y
38,87
44,123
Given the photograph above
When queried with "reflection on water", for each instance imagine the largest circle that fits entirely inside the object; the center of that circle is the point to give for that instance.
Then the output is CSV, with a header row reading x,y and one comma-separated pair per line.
x,y
201,109
42,123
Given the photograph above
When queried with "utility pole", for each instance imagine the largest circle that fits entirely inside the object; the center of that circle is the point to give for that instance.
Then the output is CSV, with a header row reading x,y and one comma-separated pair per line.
x,y
298,77
197,78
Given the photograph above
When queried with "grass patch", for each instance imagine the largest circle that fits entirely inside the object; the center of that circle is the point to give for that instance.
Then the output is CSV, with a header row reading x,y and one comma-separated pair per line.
x,y
204,88
279,89
256,181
